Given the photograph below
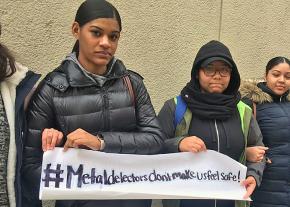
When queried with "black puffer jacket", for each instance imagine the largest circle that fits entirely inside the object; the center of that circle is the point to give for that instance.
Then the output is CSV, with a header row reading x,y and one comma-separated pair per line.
x,y
273,116
68,99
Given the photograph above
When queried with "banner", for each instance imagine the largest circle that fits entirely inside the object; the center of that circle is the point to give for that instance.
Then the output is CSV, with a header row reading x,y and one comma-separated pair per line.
x,y
87,174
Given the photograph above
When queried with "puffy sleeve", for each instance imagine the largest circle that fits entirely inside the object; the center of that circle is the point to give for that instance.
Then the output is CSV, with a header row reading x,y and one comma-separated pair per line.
x,y
148,137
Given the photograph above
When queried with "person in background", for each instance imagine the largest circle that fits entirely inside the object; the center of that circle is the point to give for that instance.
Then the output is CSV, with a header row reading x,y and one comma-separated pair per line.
x,y
209,114
16,84
271,102
91,101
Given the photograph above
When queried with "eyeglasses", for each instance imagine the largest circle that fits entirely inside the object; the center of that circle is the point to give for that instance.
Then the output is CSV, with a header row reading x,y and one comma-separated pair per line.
x,y
211,71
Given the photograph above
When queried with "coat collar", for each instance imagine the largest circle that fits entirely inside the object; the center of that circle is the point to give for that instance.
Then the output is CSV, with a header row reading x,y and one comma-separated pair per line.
x,y
249,89
76,77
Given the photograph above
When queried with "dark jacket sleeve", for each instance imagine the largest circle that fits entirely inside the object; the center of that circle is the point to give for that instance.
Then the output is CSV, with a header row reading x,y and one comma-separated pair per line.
x,y
255,138
148,138
166,119
39,116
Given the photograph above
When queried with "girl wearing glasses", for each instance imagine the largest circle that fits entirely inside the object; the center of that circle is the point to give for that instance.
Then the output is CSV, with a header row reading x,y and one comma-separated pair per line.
x,y
212,119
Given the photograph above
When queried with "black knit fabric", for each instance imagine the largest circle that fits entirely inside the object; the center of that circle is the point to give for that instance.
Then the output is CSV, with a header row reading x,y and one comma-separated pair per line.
x,y
4,149
210,105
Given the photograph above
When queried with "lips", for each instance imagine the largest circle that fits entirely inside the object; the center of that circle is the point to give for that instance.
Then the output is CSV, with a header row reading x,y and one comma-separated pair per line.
x,y
216,84
103,53
280,87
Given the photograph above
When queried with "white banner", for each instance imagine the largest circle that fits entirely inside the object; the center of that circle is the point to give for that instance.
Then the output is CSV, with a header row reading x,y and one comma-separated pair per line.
x,y
86,174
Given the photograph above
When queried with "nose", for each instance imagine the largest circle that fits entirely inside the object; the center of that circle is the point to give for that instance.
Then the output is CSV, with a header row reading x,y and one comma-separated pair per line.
x,y
104,41
217,74
282,78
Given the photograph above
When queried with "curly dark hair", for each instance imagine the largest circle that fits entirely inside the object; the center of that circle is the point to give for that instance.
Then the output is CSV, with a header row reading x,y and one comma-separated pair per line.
x,y
6,58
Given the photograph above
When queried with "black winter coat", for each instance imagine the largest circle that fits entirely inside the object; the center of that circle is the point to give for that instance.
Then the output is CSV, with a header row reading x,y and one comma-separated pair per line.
x,y
67,99
225,137
273,116
218,132
22,91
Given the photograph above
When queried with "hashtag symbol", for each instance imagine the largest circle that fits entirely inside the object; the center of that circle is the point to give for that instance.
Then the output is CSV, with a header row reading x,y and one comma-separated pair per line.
x,y
56,179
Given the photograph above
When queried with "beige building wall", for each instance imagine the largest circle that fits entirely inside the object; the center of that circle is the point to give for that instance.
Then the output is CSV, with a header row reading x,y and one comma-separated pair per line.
x,y
159,39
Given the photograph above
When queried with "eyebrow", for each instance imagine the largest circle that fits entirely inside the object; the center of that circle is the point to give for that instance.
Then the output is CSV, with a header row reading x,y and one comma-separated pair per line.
x,y
280,72
99,28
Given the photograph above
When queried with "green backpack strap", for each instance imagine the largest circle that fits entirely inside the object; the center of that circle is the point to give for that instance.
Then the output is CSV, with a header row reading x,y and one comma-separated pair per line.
x,y
183,127
242,204
180,130
171,203
245,115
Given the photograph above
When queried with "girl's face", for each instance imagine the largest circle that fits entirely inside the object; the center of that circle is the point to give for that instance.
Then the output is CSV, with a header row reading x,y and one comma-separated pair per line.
x,y
278,78
98,41
215,78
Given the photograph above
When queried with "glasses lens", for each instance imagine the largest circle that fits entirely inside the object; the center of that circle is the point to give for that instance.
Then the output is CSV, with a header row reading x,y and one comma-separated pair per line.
x,y
211,70
225,71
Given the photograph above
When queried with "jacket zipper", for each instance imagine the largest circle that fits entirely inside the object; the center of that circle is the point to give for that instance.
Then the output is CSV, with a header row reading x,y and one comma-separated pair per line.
x,y
218,147
21,136
218,135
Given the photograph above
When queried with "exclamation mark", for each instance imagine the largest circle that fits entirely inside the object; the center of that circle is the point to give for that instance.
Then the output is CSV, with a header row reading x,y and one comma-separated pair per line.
x,y
239,174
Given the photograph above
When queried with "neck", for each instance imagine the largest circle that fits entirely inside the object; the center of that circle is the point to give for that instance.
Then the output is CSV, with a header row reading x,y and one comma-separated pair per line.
x,y
96,70
92,67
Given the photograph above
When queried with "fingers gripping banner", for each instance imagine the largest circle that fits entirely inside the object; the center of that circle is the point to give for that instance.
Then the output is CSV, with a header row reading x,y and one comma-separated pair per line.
x,y
86,174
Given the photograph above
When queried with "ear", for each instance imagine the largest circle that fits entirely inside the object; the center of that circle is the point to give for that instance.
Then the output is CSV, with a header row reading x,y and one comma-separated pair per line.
x,y
197,74
265,77
76,30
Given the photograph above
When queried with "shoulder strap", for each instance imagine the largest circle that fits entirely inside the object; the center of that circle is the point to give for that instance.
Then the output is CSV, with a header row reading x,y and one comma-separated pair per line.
x,y
128,84
179,110
254,109
245,115
28,97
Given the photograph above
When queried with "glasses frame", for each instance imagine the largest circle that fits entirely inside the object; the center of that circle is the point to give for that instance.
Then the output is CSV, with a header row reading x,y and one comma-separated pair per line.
x,y
221,72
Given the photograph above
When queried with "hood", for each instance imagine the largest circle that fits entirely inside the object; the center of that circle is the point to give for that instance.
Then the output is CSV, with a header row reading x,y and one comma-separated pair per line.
x,y
259,93
217,49
19,74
